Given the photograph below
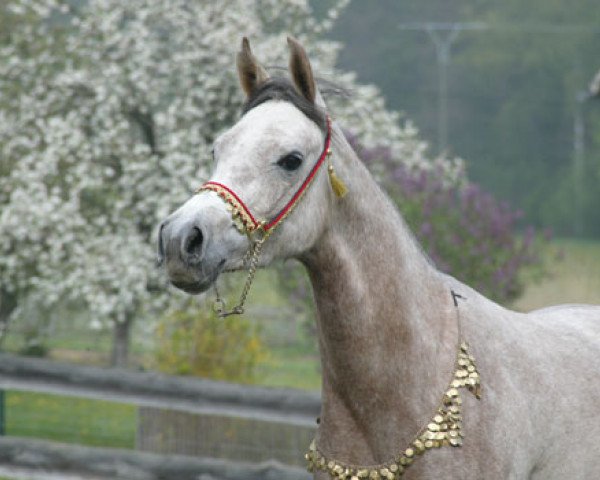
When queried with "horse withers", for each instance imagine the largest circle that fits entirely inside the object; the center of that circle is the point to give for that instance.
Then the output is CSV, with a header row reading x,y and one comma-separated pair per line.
x,y
414,362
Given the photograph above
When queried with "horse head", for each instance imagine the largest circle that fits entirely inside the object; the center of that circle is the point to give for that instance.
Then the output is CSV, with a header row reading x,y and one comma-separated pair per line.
x,y
263,166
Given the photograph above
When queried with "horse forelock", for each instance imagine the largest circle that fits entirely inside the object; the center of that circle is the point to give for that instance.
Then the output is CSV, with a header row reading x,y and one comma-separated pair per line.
x,y
280,88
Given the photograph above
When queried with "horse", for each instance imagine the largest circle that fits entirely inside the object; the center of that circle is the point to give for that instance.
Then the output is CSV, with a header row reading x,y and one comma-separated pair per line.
x,y
422,376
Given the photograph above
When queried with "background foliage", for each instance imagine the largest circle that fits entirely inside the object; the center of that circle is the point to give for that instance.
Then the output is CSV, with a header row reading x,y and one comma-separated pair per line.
x,y
108,110
195,341
463,229
511,95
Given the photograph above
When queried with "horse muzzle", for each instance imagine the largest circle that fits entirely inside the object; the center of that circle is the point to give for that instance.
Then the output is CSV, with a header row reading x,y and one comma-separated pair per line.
x,y
196,243
182,249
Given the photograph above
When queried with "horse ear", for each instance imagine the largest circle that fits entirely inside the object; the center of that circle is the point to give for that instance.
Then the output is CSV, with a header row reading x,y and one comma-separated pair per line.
x,y
250,72
301,70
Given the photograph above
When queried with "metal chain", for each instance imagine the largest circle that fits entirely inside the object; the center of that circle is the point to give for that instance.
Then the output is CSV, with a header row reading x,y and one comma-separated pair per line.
x,y
252,257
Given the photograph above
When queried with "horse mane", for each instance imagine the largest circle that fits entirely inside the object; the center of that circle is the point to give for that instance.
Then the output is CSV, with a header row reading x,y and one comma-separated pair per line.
x,y
280,88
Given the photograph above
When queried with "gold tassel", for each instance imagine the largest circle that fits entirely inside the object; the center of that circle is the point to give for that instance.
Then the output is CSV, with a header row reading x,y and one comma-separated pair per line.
x,y
337,184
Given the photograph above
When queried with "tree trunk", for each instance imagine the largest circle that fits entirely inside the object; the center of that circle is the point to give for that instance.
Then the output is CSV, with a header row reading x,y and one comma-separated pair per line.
x,y
120,347
8,303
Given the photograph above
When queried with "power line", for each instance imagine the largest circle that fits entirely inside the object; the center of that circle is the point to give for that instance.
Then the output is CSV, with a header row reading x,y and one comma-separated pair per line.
x,y
534,27
444,34
443,45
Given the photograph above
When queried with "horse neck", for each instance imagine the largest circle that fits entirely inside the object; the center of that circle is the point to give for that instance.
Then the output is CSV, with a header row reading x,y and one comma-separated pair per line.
x,y
386,328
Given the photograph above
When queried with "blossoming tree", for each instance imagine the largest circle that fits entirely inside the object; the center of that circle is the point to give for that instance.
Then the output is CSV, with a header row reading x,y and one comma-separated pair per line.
x,y
107,115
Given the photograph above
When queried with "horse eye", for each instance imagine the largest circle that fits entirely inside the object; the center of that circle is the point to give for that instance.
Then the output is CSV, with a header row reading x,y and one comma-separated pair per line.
x,y
291,161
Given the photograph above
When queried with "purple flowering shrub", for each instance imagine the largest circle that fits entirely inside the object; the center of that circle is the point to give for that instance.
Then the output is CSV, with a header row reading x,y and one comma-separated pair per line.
x,y
464,230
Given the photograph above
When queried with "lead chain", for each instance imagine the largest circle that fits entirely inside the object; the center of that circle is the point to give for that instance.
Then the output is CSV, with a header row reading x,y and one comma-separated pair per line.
x,y
251,259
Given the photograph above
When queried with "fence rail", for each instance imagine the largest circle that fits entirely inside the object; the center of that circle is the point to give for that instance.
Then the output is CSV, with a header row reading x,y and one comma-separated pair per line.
x,y
106,463
208,397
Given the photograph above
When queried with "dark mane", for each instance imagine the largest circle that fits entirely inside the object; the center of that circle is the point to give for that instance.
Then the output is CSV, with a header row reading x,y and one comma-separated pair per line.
x,y
279,88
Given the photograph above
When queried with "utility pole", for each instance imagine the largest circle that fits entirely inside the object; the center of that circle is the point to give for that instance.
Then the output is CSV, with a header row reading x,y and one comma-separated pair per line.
x,y
443,44
2,414
443,35
594,88
581,97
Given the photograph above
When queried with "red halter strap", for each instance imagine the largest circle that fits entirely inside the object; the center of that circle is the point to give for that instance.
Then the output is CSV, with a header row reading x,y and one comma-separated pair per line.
x,y
242,212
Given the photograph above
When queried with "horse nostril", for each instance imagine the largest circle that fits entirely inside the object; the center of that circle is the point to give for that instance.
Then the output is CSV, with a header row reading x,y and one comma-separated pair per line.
x,y
193,242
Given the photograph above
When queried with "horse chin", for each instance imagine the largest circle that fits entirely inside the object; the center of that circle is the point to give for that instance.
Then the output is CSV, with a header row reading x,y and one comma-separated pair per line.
x,y
193,288
200,282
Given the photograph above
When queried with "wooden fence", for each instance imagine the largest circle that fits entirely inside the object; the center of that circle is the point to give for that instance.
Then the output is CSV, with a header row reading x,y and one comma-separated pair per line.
x,y
183,417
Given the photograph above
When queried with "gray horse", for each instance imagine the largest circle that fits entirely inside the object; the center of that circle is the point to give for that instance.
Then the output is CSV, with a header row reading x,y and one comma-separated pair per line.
x,y
399,387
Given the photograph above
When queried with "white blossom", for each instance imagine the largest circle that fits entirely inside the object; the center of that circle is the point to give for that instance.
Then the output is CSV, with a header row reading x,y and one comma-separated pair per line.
x,y
107,115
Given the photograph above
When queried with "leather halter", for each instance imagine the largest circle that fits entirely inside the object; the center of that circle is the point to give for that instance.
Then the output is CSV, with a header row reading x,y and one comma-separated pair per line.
x,y
247,224
239,209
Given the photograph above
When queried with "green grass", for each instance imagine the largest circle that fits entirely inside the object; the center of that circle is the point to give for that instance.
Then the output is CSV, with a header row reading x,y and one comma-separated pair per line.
x,y
290,367
292,361
70,420
573,277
